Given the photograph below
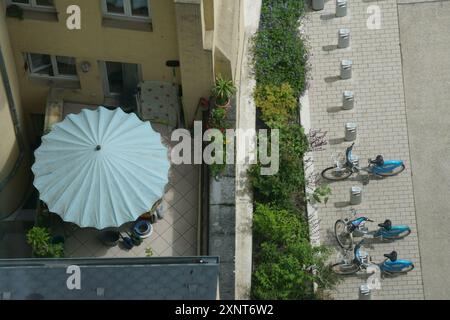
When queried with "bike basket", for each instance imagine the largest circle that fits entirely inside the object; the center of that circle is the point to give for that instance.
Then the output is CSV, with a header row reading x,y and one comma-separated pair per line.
x,y
354,160
363,257
339,160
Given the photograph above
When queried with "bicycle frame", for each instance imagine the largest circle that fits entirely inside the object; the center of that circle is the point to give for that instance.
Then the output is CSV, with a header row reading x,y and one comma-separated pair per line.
x,y
393,231
388,165
362,260
389,266
361,230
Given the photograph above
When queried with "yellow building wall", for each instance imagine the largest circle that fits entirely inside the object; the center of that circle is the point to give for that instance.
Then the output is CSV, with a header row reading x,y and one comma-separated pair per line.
x,y
170,39
12,195
93,43
195,62
199,65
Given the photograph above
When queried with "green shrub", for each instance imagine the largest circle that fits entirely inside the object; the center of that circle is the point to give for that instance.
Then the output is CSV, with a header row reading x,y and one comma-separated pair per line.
x,y
279,188
289,272
280,276
285,259
286,265
216,169
277,103
321,194
218,119
289,183
293,142
279,54
277,225
55,250
38,238
40,241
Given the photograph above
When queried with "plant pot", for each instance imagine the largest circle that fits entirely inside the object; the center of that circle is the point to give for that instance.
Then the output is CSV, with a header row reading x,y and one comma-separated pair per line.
x,y
225,106
143,229
110,238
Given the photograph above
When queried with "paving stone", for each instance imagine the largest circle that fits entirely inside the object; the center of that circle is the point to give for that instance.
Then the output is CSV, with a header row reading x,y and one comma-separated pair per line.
x,y
382,129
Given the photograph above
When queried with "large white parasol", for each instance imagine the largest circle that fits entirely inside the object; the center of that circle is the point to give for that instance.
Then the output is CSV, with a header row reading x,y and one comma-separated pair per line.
x,y
101,168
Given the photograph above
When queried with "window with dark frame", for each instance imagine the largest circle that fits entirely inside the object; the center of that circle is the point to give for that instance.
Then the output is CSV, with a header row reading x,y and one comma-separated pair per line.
x,y
131,9
51,66
35,4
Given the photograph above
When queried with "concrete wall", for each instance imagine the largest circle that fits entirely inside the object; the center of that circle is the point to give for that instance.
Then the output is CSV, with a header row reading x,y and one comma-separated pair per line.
x,y
209,36
228,35
231,209
93,43
195,61
12,193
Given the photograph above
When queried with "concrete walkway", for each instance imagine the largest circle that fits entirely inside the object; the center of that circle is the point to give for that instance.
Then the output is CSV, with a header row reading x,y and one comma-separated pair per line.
x,y
380,114
425,39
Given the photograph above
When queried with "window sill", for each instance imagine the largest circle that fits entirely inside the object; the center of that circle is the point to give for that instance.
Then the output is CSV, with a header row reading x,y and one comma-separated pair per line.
x,y
136,25
55,82
38,14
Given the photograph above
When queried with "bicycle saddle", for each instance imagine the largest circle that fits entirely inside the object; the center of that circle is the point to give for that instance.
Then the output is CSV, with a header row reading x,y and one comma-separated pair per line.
x,y
387,224
378,161
391,256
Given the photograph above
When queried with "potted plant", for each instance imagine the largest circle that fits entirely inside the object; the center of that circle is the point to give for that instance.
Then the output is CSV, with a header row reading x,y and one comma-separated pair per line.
x,y
222,91
40,241
217,119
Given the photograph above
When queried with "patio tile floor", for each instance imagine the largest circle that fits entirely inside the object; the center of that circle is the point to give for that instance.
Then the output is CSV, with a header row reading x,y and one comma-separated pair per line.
x,y
174,235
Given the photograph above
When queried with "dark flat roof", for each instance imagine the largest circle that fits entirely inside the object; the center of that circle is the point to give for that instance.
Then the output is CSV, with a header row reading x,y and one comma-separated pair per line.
x,y
153,278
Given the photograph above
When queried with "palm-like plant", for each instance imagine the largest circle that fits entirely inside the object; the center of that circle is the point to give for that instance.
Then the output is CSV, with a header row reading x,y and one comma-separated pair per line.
x,y
223,90
39,238
40,241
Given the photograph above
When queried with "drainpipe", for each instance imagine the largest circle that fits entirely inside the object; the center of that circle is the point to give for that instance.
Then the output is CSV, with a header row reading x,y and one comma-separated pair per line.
x,y
15,120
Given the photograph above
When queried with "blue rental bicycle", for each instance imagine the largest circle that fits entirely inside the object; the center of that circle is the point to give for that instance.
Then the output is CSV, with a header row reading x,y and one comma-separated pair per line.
x,y
346,229
361,261
344,168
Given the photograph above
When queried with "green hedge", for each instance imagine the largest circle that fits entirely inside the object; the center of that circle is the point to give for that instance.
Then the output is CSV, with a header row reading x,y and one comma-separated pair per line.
x,y
279,54
285,261
285,187
277,103
283,255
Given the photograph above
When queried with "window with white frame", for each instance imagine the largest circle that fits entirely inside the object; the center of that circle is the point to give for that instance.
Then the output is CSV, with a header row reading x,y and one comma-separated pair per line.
x,y
34,4
46,65
128,9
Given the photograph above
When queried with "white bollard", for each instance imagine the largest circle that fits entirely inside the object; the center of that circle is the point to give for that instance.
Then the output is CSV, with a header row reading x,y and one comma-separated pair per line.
x,y
364,292
348,100
350,131
341,8
346,69
343,38
355,195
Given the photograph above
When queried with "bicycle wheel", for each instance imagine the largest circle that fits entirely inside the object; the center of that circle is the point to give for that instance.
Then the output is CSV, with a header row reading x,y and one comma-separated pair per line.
x,y
335,174
343,237
394,172
344,268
